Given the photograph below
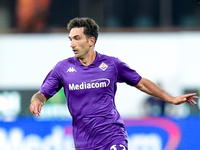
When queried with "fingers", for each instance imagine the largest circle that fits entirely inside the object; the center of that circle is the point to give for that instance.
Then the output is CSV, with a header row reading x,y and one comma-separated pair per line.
x,y
186,98
35,108
189,98
195,97
193,101
190,95
190,102
40,107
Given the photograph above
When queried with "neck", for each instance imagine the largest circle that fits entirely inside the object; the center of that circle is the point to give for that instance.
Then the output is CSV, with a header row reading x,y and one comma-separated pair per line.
x,y
89,59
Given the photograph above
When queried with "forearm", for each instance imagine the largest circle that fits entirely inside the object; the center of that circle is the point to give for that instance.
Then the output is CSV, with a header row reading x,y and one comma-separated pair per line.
x,y
151,88
39,96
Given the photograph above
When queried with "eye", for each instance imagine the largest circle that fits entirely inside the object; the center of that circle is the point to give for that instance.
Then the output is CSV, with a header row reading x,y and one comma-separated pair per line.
x,y
77,38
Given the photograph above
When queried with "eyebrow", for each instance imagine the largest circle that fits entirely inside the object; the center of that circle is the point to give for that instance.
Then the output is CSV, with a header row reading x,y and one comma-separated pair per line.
x,y
73,36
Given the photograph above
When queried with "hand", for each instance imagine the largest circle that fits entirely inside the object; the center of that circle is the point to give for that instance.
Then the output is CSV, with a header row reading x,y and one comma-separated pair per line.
x,y
36,107
186,98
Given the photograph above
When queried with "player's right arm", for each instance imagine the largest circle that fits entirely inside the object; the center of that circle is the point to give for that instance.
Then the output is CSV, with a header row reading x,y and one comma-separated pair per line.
x,y
37,101
50,86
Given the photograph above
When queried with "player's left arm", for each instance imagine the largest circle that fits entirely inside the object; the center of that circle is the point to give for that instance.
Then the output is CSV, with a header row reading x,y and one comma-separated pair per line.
x,y
151,88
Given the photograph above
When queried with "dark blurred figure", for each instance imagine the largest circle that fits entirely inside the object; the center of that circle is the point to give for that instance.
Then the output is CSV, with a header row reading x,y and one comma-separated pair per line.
x,y
32,15
61,11
155,106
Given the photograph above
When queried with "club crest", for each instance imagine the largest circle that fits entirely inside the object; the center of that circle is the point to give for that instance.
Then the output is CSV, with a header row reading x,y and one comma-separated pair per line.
x,y
103,66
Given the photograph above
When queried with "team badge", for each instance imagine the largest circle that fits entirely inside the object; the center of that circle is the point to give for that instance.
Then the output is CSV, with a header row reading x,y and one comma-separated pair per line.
x,y
103,66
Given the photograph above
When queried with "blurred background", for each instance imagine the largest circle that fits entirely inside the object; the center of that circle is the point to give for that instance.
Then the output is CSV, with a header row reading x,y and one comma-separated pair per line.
x,y
159,39
32,16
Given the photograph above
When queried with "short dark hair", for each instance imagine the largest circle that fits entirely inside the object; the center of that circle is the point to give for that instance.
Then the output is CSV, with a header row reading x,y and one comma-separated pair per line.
x,y
91,28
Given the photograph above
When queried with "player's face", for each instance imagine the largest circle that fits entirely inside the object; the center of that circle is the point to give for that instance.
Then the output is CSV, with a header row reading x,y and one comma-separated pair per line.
x,y
79,42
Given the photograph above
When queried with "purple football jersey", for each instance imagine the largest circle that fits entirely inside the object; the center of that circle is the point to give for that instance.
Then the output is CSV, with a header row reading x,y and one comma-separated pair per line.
x,y
90,92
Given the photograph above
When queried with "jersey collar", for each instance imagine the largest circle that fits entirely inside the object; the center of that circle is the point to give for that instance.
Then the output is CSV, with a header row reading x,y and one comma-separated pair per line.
x,y
94,63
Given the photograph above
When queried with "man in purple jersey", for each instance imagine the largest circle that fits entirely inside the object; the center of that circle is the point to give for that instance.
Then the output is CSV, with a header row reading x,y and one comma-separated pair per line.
x,y
89,80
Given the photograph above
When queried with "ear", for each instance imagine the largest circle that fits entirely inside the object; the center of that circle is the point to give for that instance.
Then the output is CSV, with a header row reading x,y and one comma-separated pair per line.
x,y
91,41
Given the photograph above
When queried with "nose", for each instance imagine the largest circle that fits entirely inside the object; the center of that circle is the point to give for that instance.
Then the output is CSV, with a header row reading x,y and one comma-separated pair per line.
x,y
72,44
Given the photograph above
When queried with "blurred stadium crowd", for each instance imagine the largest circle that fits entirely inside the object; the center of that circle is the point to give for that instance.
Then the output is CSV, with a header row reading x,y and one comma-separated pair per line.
x,y
29,16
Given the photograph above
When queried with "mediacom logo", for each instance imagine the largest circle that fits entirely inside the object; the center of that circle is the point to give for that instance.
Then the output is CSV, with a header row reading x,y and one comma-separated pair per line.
x,y
97,83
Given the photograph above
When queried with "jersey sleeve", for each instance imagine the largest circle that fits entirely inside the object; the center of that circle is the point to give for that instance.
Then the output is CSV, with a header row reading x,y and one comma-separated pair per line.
x,y
126,74
52,83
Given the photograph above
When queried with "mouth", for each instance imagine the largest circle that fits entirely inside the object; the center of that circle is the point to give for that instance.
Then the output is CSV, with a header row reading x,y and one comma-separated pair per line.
x,y
75,51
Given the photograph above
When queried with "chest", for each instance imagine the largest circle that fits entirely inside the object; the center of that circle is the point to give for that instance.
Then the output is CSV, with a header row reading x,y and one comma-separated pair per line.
x,y
90,78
